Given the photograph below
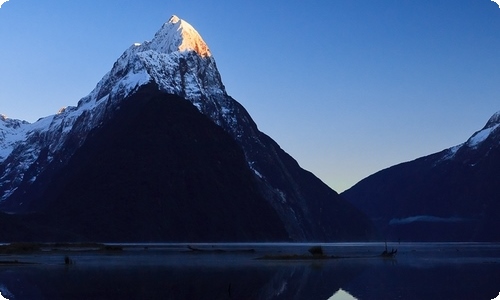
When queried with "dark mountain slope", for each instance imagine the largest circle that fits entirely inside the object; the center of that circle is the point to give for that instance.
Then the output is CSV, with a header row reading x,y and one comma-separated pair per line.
x,y
159,171
40,170
319,213
451,195
310,210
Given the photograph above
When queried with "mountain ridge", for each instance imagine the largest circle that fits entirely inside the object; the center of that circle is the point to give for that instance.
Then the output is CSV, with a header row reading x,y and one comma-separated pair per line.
x,y
308,208
160,180
135,67
450,195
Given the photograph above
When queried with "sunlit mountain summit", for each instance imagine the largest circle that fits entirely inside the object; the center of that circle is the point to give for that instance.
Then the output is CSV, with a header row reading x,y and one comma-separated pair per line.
x,y
162,60
160,147
178,35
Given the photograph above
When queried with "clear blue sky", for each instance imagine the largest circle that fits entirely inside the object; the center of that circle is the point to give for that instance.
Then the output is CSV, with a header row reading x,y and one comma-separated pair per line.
x,y
346,87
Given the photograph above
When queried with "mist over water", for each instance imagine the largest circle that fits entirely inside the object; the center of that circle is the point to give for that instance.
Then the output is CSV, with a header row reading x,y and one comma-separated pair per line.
x,y
232,271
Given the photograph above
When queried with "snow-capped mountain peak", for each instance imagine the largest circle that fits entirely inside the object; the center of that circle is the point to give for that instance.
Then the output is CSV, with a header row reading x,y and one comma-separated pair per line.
x,y
178,35
177,60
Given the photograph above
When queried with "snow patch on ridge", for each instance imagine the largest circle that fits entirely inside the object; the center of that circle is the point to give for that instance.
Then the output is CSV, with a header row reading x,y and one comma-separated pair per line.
x,y
481,136
252,167
477,138
450,153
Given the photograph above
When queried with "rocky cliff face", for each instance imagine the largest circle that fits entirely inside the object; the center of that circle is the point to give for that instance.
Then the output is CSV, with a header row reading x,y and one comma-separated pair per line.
x,y
175,62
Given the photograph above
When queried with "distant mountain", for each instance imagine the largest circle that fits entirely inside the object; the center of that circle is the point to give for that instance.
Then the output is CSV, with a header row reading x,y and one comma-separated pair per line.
x,y
453,195
133,161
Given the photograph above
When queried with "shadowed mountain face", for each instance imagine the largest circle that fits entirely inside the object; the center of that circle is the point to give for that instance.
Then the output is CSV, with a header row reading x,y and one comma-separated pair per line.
x,y
158,171
124,165
452,195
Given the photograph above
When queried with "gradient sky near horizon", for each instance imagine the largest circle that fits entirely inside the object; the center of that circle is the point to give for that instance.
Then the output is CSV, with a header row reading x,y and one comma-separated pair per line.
x,y
346,87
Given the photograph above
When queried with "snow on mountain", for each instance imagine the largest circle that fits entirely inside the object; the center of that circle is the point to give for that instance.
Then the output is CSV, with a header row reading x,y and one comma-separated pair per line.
x,y
477,139
481,136
23,145
178,35
177,59
11,132
451,195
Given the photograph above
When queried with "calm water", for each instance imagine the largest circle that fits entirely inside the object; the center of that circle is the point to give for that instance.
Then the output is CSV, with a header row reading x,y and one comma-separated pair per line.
x,y
171,271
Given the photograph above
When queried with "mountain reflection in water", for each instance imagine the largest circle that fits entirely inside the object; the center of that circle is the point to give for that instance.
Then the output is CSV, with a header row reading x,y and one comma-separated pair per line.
x,y
341,295
223,271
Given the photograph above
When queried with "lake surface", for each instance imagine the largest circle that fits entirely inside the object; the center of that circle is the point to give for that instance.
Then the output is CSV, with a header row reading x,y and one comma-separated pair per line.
x,y
224,271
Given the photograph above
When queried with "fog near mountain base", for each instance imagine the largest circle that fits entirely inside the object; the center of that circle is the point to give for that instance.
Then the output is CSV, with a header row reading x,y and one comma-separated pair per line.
x,y
425,218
